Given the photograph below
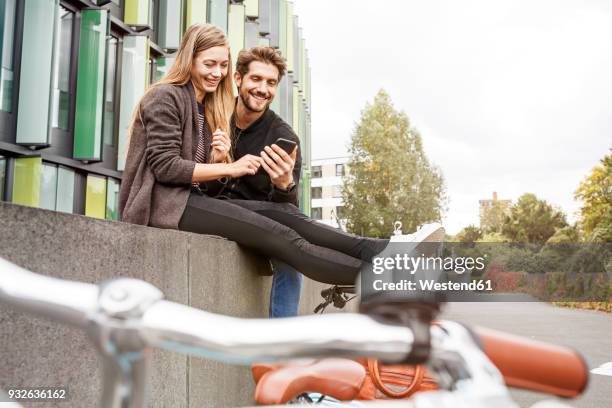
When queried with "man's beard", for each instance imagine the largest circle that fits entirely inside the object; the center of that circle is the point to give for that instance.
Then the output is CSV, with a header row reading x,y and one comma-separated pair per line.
x,y
245,102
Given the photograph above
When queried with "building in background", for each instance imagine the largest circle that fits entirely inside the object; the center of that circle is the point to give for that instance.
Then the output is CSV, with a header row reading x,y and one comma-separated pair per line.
x,y
73,70
326,190
491,212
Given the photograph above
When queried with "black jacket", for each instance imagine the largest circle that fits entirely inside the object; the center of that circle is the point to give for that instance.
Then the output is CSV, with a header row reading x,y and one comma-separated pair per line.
x,y
263,132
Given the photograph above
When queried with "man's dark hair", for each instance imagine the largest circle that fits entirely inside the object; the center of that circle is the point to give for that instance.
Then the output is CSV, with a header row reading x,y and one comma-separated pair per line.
x,y
267,55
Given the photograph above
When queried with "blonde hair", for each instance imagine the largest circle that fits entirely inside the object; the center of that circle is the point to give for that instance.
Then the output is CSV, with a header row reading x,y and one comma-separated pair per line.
x,y
218,105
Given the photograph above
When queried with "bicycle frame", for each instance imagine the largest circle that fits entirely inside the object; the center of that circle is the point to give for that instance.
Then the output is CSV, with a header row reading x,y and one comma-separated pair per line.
x,y
125,318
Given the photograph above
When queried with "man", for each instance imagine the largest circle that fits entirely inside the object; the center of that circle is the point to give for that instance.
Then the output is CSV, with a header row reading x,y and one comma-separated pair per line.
x,y
255,129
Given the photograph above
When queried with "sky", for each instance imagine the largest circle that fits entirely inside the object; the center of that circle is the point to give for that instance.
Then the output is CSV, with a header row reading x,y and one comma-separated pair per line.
x,y
509,96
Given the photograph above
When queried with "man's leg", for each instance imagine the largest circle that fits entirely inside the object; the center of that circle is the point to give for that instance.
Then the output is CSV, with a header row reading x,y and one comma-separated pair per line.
x,y
206,215
315,232
285,292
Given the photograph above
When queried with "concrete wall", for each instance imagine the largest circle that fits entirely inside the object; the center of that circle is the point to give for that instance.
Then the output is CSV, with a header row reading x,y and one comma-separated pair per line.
x,y
207,272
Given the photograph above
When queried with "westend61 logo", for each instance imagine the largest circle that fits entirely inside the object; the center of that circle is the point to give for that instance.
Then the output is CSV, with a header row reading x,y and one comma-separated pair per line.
x,y
412,264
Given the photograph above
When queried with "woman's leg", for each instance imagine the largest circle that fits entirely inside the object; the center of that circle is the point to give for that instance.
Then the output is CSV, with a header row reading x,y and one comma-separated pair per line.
x,y
206,215
315,232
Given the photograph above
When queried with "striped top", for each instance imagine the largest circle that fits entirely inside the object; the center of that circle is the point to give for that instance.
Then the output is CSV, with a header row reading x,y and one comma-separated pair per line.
x,y
205,137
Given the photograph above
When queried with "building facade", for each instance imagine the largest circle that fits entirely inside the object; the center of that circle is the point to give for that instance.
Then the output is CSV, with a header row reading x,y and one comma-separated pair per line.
x,y
73,71
491,211
326,190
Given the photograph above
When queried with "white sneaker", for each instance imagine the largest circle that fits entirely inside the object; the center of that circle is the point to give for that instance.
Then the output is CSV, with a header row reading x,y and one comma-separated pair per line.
x,y
433,232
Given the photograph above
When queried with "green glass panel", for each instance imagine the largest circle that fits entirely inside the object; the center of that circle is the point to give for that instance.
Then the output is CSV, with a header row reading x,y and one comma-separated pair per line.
x,y
65,190
251,8
7,29
302,68
133,83
169,25
3,162
196,12
236,30
275,105
61,70
112,200
95,197
264,42
305,197
296,49
282,27
290,43
265,15
26,182
36,72
295,111
108,127
251,34
218,10
48,186
162,67
136,12
90,85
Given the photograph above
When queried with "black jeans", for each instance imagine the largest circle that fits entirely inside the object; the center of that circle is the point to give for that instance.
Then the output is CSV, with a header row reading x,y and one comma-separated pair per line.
x,y
280,230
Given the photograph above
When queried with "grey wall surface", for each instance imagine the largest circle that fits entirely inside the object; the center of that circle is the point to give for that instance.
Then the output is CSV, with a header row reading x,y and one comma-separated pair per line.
x,y
203,271
206,272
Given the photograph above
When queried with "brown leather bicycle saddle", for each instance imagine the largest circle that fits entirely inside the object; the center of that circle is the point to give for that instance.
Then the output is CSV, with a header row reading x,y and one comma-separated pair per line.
x,y
279,383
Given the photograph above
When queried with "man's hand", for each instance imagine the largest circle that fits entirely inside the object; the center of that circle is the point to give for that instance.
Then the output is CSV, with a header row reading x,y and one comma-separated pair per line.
x,y
279,165
221,146
247,165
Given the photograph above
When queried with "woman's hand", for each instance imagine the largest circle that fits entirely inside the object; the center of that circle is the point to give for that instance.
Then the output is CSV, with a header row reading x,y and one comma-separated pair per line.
x,y
247,164
221,146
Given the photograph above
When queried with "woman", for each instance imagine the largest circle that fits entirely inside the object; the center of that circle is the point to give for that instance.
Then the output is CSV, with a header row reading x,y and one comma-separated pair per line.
x,y
172,151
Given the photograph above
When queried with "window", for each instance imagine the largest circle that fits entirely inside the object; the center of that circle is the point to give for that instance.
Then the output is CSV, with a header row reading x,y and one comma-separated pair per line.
x,y
2,176
36,58
56,188
26,181
337,191
340,212
196,12
340,170
168,26
112,200
236,29
108,127
316,213
218,13
65,190
136,13
162,66
7,19
316,192
133,74
90,85
48,186
316,172
95,197
61,70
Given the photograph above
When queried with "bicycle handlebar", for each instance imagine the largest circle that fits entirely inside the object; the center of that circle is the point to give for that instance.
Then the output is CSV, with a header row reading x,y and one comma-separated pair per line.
x,y
57,299
137,309
171,326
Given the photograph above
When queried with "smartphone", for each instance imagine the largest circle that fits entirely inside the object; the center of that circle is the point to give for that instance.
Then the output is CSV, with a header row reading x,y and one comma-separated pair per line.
x,y
285,144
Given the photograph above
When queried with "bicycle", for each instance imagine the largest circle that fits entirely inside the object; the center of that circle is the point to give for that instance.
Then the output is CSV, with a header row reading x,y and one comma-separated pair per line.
x,y
125,318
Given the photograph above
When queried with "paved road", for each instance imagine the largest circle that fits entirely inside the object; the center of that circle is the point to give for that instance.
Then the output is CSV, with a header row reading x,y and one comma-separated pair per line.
x,y
587,331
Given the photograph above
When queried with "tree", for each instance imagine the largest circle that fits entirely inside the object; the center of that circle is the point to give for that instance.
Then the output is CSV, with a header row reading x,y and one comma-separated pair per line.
x,y
493,217
532,220
470,233
595,191
390,177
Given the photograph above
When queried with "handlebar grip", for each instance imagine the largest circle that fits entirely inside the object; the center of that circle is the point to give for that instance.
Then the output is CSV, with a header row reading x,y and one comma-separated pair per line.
x,y
534,365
